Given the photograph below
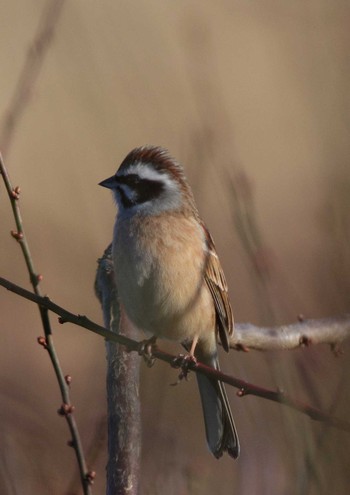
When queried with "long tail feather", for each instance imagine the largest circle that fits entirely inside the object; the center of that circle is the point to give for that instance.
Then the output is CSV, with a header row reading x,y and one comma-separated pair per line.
x,y
219,425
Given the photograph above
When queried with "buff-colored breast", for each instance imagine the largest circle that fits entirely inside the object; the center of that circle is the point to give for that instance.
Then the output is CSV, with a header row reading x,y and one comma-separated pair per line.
x,y
159,264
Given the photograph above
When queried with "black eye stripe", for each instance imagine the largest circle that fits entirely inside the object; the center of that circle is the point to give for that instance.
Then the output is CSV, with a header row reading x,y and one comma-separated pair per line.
x,y
148,189
130,180
143,189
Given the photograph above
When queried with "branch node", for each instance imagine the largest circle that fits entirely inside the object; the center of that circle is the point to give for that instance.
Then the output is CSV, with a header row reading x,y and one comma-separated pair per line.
x,y
305,341
61,320
42,341
71,443
242,392
35,279
65,409
68,379
16,192
17,235
82,318
90,477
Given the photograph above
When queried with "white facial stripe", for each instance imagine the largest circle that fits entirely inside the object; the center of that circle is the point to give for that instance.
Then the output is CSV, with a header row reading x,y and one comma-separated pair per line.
x,y
149,173
170,199
128,191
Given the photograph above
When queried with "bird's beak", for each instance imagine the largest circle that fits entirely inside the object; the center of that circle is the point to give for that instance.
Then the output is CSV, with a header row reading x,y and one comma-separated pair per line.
x,y
110,183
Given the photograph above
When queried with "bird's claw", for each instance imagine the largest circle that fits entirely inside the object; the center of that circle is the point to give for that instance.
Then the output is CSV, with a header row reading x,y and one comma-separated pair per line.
x,y
145,350
186,362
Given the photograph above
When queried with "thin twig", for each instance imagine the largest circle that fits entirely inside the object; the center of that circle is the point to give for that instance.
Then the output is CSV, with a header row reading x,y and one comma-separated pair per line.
x,y
66,408
30,71
244,387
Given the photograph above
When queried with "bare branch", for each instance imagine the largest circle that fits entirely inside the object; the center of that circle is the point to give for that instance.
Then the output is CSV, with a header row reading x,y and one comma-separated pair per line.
x,y
245,388
332,331
66,409
67,316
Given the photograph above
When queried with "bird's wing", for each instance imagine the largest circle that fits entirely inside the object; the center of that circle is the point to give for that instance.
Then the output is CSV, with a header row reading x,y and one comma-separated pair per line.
x,y
215,279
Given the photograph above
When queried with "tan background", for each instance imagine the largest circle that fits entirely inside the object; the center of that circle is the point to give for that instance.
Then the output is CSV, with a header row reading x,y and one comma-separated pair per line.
x,y
252,90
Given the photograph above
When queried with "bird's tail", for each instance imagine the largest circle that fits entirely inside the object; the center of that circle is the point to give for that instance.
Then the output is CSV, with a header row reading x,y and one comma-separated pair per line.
x,y
219,425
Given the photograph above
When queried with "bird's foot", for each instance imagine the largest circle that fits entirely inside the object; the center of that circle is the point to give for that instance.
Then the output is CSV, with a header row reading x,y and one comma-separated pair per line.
x,y
145,350
186,362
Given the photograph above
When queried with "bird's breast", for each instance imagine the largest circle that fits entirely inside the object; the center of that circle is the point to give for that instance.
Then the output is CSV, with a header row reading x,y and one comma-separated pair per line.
x,y
159,265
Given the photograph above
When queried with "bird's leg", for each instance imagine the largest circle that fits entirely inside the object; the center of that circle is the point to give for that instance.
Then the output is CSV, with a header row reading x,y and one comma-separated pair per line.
x,y
145,350
193,347
145,346
185,361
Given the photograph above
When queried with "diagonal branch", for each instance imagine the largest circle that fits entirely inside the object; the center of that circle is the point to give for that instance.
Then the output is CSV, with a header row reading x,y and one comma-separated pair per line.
x,y
244,388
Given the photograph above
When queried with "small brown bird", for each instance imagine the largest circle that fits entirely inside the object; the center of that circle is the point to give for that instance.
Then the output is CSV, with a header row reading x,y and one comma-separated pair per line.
x,y
169,278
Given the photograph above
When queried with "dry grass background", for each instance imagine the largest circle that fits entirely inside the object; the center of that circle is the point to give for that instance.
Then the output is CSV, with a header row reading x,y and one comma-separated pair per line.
x,y
256,91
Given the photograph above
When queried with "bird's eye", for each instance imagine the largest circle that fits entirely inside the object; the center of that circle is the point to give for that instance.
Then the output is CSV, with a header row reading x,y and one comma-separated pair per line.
x,y
134,179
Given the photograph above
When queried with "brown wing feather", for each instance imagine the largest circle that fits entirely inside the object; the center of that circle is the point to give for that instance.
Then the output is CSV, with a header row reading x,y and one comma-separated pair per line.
x,y
215,279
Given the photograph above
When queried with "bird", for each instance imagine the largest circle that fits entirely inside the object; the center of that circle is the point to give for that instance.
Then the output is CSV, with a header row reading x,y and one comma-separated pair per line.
x,y
168,275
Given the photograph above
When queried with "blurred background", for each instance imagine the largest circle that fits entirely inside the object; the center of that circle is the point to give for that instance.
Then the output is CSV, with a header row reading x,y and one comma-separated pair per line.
x,y
252,97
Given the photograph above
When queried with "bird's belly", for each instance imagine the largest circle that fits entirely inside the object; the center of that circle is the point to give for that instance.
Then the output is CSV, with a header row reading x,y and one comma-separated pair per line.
x,y
161,283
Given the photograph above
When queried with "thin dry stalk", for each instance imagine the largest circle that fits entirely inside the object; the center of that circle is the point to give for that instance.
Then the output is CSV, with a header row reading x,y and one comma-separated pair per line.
x,y
47,342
